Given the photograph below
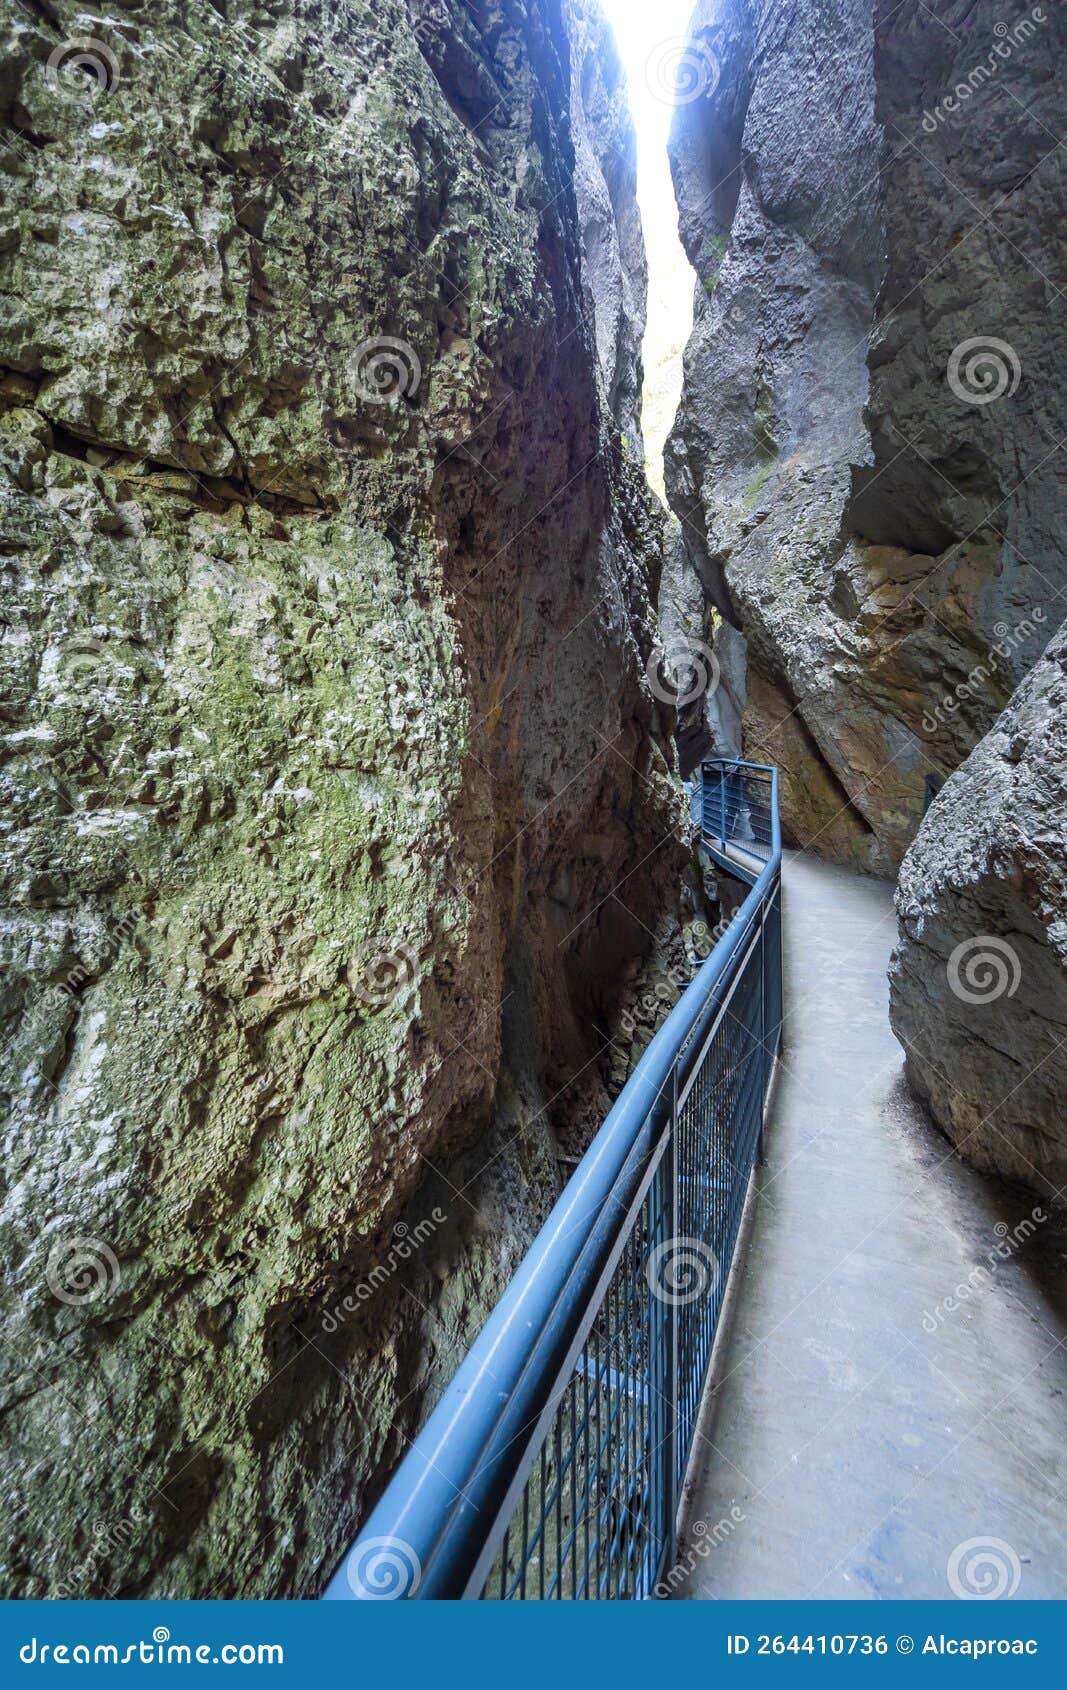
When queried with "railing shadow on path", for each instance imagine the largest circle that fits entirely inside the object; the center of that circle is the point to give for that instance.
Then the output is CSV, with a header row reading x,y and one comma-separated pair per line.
x,y
553,1465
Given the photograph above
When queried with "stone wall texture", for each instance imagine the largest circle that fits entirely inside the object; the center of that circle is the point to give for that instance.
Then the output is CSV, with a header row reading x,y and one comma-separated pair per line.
x,y
870,476
328,602
979,978
867,462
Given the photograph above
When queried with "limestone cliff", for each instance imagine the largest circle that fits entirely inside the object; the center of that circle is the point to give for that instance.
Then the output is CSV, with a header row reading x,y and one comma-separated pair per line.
x,y
614,266
979,977
867,459
327,737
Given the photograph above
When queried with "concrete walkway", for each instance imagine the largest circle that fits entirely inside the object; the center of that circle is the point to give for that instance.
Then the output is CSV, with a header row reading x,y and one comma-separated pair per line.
x,y
866,1432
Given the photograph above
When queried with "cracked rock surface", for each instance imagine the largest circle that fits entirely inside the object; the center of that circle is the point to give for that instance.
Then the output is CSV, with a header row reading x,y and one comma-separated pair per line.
x,y
979,977
866,461
328,602
868,471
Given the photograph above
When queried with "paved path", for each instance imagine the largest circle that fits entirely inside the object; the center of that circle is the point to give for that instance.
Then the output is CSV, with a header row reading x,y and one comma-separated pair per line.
x,y
863,1430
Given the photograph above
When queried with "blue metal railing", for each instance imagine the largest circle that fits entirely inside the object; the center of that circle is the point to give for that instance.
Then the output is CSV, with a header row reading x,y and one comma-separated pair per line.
x,y
736,807
553,1464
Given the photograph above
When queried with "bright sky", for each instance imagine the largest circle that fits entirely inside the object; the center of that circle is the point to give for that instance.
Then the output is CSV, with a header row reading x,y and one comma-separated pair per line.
x,y
651,36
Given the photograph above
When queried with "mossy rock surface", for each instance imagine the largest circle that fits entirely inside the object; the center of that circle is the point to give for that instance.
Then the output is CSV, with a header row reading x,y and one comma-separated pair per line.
x,y
327,608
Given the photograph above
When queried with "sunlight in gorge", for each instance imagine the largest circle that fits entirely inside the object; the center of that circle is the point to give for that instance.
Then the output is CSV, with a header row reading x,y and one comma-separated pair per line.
x,y
651,40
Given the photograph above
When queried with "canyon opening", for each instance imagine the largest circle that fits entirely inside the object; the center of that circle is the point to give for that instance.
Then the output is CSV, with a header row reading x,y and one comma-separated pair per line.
x,y
534,831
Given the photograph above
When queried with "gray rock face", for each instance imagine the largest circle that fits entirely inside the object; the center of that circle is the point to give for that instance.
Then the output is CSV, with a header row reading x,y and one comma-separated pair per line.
x,y
327,736
614,266
866,460
709,723
979,978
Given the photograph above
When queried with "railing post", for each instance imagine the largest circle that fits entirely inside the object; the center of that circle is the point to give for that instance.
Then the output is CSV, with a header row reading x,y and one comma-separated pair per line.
x,y
670,1447
761,1155
453,1501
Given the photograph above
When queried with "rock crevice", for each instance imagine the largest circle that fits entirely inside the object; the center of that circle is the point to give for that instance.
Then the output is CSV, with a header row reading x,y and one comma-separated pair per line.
x,y
327,738
883,535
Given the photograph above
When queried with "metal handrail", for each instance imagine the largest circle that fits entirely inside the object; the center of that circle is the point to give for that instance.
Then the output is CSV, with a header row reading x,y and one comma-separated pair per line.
x,y
553,1342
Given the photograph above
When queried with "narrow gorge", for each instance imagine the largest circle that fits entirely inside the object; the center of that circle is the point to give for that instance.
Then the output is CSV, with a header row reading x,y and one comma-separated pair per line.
x,y
355,680
869,479
328,739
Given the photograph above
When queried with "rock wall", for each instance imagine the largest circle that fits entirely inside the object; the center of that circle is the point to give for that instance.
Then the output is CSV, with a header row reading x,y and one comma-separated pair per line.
x,y
979,978
867,462
614,266
327,738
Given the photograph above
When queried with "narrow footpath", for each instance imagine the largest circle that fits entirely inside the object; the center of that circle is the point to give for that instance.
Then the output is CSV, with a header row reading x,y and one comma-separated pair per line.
x,y
871,1431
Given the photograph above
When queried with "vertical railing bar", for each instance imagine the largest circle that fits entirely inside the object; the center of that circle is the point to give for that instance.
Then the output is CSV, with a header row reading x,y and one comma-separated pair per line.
x,y
671,1307
599,1414
626,1451
653,1350
573,1540
525,1538
541,1534
612,1374
762,1049
559,1507
588,1470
